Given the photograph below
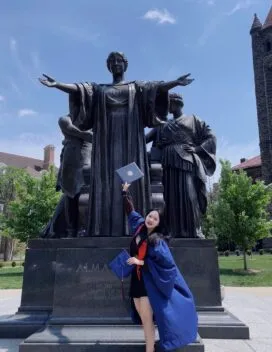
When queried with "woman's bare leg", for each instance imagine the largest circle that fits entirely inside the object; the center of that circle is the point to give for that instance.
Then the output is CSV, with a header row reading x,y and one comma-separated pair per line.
x,y
137,305
146,314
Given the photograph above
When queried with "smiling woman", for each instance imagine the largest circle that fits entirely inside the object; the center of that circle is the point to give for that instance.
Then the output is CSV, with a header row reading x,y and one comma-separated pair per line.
x,y
117,114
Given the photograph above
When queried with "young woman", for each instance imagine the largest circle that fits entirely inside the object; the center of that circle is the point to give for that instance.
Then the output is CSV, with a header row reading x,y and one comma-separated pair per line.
x,y
158,291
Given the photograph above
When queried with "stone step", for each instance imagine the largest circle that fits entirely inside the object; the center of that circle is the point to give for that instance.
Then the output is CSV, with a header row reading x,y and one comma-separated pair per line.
x,y
93,339
221,325
20,325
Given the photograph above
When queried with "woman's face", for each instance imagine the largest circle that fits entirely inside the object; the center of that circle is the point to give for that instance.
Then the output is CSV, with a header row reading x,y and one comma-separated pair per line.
x,y
117,64
152,220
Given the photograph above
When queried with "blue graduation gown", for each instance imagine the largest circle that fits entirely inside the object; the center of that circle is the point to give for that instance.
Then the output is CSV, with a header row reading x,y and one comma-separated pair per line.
x,y
170,297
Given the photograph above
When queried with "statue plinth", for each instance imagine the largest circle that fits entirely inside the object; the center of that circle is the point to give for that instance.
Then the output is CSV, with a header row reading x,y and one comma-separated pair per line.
x,y
68,288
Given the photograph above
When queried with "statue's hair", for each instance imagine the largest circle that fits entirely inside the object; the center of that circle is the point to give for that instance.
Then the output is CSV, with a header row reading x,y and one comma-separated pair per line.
x,y
114,53
176,97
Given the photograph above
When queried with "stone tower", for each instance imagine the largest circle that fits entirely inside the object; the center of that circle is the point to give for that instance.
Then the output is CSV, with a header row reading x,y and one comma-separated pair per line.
x,y
261,35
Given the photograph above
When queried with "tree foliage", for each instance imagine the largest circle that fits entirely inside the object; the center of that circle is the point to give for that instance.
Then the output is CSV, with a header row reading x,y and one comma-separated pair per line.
x,y
32,205
239,213
9,177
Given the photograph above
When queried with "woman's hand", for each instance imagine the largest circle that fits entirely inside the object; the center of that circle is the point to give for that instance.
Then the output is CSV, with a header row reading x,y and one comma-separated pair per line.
x,y
48,81
135,261
125,187
184,80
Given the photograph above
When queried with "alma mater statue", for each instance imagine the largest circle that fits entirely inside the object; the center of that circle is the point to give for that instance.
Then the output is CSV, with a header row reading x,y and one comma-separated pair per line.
x,y
117,113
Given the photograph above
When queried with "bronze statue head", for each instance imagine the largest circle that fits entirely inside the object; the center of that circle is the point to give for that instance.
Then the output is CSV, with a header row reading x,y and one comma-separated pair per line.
x,y
117,63
175,103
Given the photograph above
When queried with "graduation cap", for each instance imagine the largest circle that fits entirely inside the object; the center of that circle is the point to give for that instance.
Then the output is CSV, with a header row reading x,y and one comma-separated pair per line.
x,y
119,265
130,173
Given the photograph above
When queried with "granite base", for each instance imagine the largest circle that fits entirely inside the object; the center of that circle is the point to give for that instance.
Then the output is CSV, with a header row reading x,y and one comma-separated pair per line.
x,y
67,282
93,338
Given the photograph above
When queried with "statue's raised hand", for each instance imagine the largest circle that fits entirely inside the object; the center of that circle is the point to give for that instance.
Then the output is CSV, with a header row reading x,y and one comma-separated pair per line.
x,y
48,81
184,80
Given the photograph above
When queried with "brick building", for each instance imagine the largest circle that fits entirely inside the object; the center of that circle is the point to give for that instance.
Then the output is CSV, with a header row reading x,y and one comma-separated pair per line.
x,y
252,166
31,165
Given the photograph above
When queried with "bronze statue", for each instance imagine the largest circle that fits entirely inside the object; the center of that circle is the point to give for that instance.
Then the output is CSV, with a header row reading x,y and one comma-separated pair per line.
x,y
188,157
117,113
75,161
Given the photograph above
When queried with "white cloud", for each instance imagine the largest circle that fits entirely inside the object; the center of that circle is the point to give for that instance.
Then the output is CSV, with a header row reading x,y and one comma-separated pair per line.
x,y
2,98
216,21
16,89
26,112
35,60
24,69
243,4
13,44
159,16
210,29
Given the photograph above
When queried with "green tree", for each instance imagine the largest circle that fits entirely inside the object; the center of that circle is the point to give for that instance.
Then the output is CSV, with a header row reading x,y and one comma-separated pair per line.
x,y
9,177
34,205
210,227
240,212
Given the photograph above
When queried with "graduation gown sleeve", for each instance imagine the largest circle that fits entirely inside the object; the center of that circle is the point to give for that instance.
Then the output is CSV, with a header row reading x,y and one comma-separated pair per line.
x,y
162,267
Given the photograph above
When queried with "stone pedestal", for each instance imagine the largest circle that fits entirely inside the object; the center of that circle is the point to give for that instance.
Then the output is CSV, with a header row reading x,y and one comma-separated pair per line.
x,y
68,287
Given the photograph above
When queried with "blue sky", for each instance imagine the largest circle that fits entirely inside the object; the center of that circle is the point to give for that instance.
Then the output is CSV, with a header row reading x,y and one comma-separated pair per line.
x,y
70,40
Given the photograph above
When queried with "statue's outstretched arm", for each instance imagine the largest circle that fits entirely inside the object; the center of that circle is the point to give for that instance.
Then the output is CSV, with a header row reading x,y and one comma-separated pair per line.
x,y
181,81
52,83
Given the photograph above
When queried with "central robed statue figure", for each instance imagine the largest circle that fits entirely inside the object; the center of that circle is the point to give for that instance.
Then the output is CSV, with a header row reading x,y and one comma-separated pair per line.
x,y
117,113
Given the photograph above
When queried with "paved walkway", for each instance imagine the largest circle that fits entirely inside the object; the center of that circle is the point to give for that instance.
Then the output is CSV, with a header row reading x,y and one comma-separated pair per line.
x,y
251,305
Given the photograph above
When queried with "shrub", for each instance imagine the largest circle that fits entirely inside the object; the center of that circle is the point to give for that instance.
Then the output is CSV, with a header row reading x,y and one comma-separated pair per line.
x,y
1,265
249,252
227,253
13,264
261,251
237,252
23,263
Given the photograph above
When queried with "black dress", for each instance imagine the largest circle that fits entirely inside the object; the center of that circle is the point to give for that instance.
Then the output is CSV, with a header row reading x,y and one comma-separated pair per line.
x,y
137,287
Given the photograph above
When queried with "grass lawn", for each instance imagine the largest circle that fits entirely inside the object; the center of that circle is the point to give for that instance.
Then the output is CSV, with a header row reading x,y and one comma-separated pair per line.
x,y
260,270
11,277
231,272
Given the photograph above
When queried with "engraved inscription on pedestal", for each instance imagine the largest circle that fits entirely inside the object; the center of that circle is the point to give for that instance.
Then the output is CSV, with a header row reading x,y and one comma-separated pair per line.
x,y
86,288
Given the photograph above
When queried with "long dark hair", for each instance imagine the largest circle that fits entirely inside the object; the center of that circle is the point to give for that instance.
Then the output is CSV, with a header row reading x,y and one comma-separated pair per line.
x,y
160,231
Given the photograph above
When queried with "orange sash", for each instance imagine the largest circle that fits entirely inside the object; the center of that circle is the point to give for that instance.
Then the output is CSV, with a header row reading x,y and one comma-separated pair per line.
x,y
141,252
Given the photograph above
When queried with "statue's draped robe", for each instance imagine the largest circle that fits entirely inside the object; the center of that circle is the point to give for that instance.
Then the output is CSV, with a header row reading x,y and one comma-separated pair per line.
x,y
74,158
117,115
185,174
